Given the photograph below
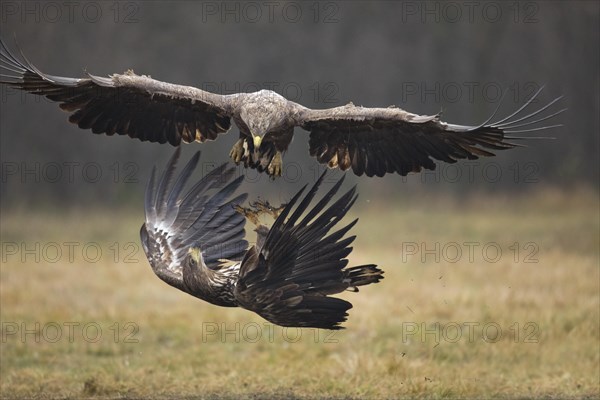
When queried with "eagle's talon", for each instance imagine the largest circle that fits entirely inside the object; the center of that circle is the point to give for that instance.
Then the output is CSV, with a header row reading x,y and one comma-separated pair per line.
x,y
274,169
237,151
264,207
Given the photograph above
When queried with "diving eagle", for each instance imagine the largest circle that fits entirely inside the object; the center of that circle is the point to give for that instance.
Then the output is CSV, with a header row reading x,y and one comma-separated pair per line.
x,y
371,141
194,241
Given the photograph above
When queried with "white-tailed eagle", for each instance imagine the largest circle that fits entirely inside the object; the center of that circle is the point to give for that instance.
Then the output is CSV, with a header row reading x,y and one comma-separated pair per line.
x,y
194,241
371,141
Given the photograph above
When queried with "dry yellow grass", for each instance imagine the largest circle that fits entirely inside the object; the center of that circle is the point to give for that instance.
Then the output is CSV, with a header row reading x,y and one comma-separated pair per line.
x,y
429,330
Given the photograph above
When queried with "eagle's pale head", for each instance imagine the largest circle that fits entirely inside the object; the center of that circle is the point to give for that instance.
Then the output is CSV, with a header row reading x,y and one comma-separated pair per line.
x,y
194,259
264,111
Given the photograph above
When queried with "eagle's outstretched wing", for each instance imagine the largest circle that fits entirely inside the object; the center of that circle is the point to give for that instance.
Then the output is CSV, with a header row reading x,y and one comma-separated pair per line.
x,y
204,217
376,141
127,104
288,279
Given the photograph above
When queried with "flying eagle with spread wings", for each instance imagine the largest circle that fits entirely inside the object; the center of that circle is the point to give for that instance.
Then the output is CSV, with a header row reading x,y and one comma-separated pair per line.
x,y
370,141
194,241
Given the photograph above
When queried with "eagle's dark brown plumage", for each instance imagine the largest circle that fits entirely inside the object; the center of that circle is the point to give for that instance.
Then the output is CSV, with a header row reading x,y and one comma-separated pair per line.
x,y
371,141
194,241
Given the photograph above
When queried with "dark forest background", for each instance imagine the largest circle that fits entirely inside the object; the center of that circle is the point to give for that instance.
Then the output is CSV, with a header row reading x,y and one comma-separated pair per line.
x,y
422,56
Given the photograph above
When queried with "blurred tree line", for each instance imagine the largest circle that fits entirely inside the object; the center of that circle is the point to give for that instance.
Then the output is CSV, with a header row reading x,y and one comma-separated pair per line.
x,y
457,57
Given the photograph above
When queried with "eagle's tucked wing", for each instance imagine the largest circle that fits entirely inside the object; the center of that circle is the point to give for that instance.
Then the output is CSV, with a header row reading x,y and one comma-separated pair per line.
x,y
376,141
288,279
204,217
127,104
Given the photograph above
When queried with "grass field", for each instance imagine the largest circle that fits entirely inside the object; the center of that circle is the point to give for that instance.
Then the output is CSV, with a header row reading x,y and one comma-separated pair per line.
x,y
453,318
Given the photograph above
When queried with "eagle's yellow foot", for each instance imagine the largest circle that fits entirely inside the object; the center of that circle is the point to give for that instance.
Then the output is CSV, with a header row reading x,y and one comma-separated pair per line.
x,y
266,208
237,151
275,165
258,208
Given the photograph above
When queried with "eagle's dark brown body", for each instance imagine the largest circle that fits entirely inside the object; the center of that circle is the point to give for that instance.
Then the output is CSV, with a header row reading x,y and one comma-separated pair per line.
x,y
370,141
194,241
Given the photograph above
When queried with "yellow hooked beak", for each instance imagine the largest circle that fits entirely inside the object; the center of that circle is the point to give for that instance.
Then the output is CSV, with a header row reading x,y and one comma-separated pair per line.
x,y
257,141
196,255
